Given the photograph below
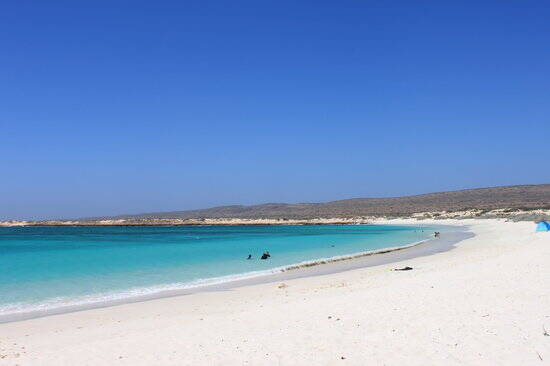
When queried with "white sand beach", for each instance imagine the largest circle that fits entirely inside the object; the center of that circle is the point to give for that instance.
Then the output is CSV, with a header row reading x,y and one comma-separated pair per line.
x,y
485,302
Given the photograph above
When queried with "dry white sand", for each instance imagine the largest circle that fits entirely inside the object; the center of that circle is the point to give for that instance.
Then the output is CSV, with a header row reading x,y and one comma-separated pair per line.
x,y
483,303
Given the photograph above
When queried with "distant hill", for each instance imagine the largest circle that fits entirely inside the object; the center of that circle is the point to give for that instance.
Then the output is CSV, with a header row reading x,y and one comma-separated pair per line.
x,y
524,196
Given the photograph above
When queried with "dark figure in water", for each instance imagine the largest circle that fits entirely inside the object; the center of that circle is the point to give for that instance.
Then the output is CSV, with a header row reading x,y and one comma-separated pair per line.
x,y
249,256
436,234
265,255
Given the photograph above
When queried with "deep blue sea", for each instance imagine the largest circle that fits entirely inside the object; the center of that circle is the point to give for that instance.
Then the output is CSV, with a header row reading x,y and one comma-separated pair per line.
x,y
51,267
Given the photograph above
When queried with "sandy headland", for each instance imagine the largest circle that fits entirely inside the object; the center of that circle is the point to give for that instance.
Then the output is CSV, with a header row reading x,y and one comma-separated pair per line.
x,y
486,301
507,214
186,222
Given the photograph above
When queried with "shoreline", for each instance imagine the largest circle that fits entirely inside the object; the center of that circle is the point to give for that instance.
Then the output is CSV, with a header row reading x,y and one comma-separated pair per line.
x,y
187,222
314,267
509,213
483,302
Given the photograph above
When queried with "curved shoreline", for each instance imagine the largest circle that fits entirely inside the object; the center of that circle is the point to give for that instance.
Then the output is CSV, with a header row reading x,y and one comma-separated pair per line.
x,y
314,267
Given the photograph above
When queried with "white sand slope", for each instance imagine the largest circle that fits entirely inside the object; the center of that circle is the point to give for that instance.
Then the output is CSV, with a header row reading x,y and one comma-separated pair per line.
x,y
483,303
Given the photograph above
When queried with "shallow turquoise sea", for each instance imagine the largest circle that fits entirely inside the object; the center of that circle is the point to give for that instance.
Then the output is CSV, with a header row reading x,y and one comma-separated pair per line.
x,y
49,267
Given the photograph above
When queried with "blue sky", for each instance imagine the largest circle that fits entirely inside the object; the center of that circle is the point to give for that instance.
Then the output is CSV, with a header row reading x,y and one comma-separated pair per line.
x,y
112,107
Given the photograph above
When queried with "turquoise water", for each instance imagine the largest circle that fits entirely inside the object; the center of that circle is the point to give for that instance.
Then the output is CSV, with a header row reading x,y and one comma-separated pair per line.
x,y
49,267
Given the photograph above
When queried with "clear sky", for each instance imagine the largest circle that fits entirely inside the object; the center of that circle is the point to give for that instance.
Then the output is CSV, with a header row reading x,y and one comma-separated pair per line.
x,y
113,107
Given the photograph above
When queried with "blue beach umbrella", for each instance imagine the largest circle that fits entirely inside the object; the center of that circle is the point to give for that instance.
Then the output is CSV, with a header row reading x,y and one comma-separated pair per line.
x,y
543,226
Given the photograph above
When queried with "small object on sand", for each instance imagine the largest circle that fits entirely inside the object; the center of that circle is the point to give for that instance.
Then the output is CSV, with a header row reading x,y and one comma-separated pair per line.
x,y
403,269
283,285
342,358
